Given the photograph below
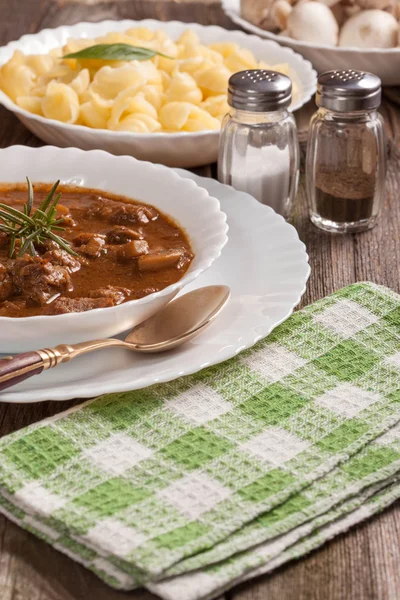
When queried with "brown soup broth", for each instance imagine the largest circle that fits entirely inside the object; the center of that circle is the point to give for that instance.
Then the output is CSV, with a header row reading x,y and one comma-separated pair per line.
x,y
91,211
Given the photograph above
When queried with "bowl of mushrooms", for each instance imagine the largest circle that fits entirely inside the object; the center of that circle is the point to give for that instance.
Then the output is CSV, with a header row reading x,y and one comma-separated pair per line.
x,y
332,34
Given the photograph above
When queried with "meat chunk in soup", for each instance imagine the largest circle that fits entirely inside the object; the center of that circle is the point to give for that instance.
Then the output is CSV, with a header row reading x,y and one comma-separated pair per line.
x,y
131,214
69,305
39,280
6,284
63,259
3,240
140,293
116,294
90,244
126,214
100,209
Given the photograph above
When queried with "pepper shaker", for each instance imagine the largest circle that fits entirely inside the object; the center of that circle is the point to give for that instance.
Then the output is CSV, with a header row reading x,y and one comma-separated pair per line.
x,y
345,164
259,151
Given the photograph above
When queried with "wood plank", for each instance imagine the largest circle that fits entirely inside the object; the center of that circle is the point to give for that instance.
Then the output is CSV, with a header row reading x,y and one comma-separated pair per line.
x,y
60,12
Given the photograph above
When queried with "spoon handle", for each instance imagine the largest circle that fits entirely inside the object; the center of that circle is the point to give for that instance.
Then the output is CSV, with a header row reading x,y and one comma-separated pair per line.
x,y
15,369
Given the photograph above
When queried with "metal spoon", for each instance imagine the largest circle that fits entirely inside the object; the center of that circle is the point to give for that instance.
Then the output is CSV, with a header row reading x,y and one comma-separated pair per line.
x,y
176,324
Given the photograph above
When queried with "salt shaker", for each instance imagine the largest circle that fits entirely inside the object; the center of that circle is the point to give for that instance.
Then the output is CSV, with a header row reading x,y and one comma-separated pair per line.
x,y
259,151
345,164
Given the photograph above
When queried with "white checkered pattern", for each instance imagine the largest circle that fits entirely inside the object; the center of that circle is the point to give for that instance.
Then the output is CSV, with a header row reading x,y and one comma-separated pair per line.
x,y
117,454
186,586
345,318
394,360
390,437
114,537
199,404
34,494
274,363
194,494
275,446
347,400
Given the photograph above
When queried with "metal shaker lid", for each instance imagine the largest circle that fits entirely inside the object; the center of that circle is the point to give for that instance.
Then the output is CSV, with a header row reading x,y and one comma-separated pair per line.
x,y
348,90
259,90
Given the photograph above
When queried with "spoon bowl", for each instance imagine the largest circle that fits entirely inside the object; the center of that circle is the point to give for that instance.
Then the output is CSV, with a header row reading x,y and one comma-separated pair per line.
x,y
180,321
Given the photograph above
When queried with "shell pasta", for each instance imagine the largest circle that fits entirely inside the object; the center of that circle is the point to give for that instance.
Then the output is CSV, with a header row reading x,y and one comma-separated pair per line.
x,y
183,91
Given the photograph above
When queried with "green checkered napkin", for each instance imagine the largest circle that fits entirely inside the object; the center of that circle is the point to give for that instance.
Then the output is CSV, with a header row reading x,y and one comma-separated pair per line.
x,y
158,482
374,473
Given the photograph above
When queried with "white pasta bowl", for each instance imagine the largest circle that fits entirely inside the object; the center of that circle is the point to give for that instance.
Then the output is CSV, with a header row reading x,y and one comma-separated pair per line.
x,y
188,204
182,149
384,62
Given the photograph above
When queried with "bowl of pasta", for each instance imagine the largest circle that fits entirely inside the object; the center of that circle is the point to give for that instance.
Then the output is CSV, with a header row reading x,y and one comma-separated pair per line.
x,y
156,91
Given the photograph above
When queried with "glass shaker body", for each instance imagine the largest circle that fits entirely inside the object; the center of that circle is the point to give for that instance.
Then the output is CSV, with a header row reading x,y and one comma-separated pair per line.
x,y
259,155
345,164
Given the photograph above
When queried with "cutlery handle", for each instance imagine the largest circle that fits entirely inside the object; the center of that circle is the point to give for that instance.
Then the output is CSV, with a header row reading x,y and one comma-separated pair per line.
x,y
15,369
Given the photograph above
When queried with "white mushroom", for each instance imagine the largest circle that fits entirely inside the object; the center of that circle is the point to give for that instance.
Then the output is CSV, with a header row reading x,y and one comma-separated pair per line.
x,y
313,22
280,11
370,29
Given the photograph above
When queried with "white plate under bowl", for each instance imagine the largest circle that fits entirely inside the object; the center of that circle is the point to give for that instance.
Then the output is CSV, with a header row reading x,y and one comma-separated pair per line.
x,y
384,62
172,149
266,266
191,206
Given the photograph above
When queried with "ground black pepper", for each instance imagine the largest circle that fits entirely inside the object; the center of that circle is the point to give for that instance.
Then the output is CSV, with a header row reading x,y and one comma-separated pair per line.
x,y
345,196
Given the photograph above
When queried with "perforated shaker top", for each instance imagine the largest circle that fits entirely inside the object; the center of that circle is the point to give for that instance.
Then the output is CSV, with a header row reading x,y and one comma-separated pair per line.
x,y
259,90
348,90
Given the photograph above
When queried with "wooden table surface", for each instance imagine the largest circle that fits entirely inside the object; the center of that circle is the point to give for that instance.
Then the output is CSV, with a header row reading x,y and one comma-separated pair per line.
x,y
362,565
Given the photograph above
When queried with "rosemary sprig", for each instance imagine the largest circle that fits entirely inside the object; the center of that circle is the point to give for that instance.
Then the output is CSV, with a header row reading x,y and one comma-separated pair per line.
x,y
31,229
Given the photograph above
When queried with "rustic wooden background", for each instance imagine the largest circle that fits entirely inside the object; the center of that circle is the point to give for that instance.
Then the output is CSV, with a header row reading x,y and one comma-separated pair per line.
x,y
362,565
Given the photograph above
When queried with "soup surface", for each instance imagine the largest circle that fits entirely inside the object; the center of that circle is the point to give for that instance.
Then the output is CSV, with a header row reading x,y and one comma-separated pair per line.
x,y
125,250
